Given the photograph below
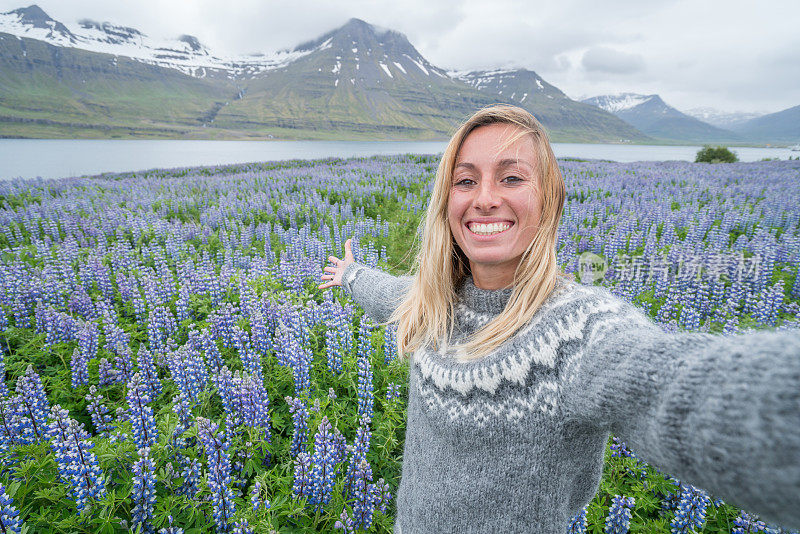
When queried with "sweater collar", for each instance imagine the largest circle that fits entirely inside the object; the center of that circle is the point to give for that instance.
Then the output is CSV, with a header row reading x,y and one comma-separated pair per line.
x,y
491,301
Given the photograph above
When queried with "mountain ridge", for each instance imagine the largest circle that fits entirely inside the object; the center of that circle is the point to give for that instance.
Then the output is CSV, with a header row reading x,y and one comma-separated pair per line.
x,y
653,116
356,81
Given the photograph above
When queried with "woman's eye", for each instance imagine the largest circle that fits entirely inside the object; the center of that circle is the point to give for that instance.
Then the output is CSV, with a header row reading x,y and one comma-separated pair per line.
x,y
464,181
513,179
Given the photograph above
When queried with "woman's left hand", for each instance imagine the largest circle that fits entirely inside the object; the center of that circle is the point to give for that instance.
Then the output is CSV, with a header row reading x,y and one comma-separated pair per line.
x,y
334,273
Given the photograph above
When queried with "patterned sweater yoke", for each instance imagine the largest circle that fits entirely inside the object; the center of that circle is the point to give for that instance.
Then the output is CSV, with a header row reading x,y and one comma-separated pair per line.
x,y
514,442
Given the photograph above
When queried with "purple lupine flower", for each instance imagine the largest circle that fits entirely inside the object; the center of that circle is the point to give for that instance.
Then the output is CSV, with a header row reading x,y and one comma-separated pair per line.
x,y
9,515
393,392
245,401
365,394
117,340
160,326
31,406
209,347
148,372
140,414
191,477
86,350
123,363
324,471
219,473
295,355
255,496
619,515
384,495
746,524
101,419
339,446
253,405
76,462
331,394
358,452
144,492
297,407
390,343
620,450
170,529
302,475
226,388
9,423
251,359
222,322
345,523
189,372
578,525
183,409
364,495
334,347
260,333
109,375
691,510
3,387
242,527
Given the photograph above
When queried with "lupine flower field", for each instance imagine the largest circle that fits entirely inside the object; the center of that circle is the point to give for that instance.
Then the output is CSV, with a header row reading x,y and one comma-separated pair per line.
x,y
170,365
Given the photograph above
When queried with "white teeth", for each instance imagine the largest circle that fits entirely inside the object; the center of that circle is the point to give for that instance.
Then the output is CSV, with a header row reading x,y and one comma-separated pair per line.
x,y
488,229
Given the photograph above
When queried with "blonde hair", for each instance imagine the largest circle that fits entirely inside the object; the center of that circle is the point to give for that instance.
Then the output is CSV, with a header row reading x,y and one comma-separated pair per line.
x,y
427,314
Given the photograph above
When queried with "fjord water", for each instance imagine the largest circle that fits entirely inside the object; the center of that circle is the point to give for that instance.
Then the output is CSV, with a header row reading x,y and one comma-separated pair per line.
x,y
61,158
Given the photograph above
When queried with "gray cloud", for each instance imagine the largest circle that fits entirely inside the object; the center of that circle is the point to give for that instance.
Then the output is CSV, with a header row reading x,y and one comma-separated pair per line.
x,y
607,60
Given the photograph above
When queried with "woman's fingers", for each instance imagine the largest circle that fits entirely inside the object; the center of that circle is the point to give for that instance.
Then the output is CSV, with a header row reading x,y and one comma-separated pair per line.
x,y
334,272
348,250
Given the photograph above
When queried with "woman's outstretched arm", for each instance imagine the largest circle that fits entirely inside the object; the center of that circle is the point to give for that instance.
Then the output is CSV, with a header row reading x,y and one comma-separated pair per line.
x,y
719,412
379,293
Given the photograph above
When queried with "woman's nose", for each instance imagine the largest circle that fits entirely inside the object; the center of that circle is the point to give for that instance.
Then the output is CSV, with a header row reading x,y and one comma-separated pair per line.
x,y
487,195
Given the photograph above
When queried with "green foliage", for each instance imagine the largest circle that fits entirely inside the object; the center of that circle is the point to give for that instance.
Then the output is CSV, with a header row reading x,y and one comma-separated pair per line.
x,y
720,154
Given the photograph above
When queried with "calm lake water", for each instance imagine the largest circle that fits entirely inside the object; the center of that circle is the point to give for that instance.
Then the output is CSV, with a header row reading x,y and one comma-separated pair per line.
x,y
60,158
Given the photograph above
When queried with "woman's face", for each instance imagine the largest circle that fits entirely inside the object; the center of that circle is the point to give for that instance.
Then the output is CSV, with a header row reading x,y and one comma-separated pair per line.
x,y
494,203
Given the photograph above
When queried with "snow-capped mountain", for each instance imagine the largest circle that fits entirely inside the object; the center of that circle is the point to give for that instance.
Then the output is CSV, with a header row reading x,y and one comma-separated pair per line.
x,y
626,101
549,104
722,119
782,127
185,53
518,85
358,81
650,114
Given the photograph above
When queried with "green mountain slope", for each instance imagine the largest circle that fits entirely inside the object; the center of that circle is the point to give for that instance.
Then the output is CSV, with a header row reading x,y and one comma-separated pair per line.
x,y
566,119
49,91
781,127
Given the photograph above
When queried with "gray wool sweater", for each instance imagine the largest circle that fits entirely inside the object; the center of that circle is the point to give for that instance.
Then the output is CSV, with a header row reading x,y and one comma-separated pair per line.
x,y
514,442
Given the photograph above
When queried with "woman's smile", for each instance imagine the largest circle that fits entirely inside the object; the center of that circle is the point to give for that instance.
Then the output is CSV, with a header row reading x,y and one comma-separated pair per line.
x,y
488,229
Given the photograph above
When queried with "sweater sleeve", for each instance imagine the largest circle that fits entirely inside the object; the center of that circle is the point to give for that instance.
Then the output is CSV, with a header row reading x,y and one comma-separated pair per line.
x,y
379,293
719,412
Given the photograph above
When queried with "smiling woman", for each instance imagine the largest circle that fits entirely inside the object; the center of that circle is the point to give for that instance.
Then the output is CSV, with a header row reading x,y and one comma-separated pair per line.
x,y
518,374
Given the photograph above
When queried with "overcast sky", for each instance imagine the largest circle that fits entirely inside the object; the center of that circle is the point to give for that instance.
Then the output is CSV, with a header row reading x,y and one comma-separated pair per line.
x,y
727,54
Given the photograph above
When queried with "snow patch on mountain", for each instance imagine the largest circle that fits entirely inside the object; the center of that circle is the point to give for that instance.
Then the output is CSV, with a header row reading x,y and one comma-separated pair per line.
x,y
621,102
185,53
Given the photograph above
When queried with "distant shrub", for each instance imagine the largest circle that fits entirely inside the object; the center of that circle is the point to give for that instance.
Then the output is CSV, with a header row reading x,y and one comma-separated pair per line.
x,y
720,154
